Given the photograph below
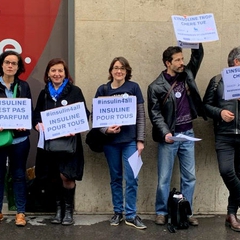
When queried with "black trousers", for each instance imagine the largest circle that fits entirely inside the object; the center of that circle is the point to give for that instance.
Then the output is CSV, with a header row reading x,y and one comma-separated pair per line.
x,y
228,154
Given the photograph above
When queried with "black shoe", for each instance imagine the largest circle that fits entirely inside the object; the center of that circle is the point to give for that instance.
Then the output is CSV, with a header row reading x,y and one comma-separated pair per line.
x,y
135,222
116,219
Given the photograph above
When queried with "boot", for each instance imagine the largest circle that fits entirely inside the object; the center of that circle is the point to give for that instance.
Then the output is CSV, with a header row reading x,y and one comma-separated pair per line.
x,y
231,221
58,189
68,198
58,216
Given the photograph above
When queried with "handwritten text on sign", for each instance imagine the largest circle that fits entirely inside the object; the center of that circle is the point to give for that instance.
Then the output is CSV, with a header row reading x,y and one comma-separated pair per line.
x,y
195,29
15,113
61,121
108,111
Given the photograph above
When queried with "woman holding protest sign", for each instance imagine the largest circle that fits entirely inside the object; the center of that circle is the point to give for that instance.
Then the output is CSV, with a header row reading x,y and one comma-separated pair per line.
x,y
60,168
11,66
125,140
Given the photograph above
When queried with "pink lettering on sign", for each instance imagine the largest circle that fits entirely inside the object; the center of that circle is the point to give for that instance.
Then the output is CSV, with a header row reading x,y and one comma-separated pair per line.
x,y
25,27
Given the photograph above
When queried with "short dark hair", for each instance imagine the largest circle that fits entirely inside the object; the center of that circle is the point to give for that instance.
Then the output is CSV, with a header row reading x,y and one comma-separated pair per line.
x,y
53,62
21,67
125,64
234,54
169,52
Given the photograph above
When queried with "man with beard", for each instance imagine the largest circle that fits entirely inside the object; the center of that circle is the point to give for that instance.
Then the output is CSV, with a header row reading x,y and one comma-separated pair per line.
x,y
173,102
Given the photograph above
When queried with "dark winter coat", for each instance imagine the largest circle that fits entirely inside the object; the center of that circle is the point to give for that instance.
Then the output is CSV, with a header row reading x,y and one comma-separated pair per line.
x,y
71,165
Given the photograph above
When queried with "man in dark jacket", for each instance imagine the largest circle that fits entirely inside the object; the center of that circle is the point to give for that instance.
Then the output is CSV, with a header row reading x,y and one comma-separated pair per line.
x,y
226,116
173,102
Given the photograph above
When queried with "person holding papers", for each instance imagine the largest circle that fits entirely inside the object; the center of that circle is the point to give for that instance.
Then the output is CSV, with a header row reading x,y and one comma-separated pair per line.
x,y
11,66
226,119
62,168
173,103
125,141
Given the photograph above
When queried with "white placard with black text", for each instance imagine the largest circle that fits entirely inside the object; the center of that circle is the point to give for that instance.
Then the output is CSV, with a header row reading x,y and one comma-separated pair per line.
x,y
15,113
109,111
61,121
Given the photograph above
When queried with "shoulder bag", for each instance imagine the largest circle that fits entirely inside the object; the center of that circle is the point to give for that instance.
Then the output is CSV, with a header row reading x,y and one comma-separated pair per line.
x,y
6,136
63,144
95,139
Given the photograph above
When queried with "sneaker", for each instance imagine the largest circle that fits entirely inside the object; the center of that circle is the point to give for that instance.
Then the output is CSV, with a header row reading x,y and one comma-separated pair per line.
x,y
116,219
193,221
1,216
20,219
160,219
135,222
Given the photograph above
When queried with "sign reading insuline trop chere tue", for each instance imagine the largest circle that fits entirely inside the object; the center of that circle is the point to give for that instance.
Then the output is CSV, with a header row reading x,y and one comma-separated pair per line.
x,y
15,113
195,29
108,111
61,121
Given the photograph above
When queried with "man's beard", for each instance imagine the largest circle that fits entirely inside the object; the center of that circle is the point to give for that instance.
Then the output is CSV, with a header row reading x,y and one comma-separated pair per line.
x,y
179,70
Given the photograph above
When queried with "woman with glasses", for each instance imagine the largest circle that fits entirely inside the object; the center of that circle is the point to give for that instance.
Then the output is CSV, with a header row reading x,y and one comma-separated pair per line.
x,y
125,140
11,66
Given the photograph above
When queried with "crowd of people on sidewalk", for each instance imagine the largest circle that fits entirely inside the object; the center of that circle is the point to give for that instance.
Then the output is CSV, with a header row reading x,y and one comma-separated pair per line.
x,y
173,102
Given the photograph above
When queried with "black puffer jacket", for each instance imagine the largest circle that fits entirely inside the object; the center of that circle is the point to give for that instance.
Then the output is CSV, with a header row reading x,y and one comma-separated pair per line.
x,y
163,118
214,104
23,91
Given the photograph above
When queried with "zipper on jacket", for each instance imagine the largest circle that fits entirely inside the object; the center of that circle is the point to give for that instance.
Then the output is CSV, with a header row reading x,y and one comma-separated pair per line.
x,y
236,117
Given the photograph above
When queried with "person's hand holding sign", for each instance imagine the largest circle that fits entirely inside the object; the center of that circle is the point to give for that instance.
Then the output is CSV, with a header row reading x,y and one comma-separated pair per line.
x,y
113,129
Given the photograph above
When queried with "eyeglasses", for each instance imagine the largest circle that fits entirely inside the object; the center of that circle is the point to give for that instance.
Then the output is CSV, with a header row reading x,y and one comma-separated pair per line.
x,y
122,69
8,63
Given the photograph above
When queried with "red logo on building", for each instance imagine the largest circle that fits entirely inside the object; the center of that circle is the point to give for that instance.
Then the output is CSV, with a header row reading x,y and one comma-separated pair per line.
x,y
26,26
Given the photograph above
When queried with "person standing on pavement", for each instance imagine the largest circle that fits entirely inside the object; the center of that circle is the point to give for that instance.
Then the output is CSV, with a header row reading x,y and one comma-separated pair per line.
x,y
62,169
125,140
226,116
12,66
173,103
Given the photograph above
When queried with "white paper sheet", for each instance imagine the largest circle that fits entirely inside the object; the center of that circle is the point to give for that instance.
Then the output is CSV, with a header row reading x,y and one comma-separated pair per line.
x,y
181,138
41,137
136,163
195,29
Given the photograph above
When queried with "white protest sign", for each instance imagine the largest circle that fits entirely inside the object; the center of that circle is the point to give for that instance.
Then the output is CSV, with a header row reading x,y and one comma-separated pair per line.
x,y
231,81
61,121
108,111
195,29
15,113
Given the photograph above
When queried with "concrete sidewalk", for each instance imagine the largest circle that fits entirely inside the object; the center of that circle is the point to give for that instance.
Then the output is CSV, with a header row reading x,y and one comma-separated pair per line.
x,y
97,227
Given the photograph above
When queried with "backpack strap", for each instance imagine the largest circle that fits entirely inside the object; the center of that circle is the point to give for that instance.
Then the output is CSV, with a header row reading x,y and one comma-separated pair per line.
x,y
216,81
169,91
105,89
15,90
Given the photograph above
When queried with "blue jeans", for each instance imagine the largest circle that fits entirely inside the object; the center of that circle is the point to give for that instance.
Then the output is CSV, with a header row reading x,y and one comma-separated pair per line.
x,y
117,157
17,154
166,158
